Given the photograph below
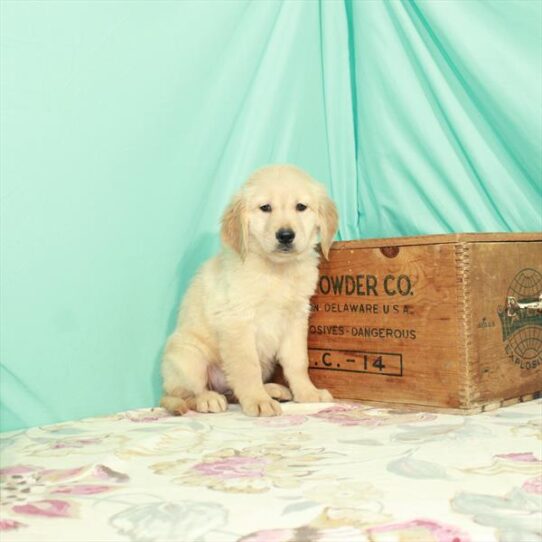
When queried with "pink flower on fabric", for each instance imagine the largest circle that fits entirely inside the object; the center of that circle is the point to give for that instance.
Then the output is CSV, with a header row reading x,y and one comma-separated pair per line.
x,y
49,508
533,485
342,415
74,443
353,414
308,533
233,467
518,462
81,489
10,524
254,469
16,469
522,457
143,415
34,491
271,535
62,445
59,475
281,421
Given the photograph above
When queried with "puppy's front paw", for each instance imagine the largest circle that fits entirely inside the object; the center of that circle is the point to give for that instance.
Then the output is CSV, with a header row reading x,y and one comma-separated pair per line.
x,y
211,401
261,406
313,395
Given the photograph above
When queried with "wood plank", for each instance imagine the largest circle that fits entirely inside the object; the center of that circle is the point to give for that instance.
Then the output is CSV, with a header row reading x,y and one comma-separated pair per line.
x,y
388,326
445,238
507,350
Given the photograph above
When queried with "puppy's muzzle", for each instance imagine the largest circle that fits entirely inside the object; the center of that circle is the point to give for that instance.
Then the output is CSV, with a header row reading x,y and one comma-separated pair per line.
x,y
285,237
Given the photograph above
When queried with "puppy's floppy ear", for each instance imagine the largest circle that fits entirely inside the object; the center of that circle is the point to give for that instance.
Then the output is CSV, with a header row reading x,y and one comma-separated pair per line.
x,y
327,222
234,230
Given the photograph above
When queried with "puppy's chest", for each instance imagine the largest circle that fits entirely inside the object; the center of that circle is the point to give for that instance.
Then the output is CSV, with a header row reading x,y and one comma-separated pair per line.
x,y
281,301
274,317
277,304
284,293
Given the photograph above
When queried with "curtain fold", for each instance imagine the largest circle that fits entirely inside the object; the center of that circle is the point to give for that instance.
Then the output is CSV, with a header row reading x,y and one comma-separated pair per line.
x,y
448,116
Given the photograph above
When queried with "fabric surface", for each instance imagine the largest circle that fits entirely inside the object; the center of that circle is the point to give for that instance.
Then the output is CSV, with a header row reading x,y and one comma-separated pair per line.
x,y
127,125
331,472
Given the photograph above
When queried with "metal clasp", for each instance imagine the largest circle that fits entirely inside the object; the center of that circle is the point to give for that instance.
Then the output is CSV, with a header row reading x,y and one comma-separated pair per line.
x,y
515,307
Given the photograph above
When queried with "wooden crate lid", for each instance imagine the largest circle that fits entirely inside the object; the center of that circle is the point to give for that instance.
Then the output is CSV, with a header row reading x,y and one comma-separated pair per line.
x,y
446,238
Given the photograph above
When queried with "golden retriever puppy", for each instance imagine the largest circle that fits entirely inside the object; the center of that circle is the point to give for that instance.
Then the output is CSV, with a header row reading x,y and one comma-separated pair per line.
x,y
248,307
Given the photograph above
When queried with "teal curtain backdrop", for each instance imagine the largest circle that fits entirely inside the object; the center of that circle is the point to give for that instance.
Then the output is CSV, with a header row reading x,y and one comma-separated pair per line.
x,y
126,126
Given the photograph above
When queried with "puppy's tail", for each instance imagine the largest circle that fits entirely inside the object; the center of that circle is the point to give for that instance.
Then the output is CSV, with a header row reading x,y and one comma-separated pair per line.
x,y
175,405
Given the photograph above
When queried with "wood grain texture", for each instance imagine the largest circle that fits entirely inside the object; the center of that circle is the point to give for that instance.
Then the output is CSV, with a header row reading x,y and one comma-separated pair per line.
x,y
507,351
419,323
439,239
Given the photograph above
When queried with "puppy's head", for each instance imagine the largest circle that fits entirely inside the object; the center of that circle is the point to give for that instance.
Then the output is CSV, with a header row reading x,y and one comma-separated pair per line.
x,y
279,213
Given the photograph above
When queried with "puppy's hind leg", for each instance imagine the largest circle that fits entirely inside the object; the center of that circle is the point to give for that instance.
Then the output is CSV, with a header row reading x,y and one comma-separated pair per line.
x,y
174,405
277,391
184,370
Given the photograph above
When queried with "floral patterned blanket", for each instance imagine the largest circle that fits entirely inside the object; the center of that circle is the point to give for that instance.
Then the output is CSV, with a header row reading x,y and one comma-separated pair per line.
x,y
334,472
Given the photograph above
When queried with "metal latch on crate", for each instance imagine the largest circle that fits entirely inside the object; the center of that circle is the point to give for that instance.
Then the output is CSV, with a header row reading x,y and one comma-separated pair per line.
x,y
515,307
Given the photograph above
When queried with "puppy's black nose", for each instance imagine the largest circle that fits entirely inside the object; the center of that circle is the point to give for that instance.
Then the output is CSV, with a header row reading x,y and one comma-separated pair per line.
x,y
285,236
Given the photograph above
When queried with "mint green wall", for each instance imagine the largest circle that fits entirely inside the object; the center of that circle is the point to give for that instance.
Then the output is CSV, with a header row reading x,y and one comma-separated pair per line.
x,y
449,116
127,125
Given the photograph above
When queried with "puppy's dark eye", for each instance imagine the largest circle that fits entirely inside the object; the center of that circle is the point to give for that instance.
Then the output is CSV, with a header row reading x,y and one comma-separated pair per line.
x,y
265,208
300,207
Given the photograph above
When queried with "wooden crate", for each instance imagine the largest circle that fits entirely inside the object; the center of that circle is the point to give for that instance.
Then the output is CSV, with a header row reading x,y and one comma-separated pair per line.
x,y
442,321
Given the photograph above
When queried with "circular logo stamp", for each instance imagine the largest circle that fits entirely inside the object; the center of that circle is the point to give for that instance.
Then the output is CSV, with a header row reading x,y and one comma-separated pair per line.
x,y
521,319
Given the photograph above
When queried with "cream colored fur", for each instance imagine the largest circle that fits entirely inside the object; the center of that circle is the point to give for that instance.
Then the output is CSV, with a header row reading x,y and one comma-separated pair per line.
x,y
248,307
